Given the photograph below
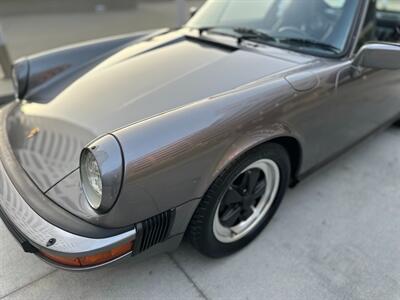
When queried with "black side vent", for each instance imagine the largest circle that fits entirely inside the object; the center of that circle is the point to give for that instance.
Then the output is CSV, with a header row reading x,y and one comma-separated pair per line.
x,y
153,231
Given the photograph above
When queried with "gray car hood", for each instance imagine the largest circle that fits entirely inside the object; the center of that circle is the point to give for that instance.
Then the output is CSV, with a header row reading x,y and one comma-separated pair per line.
x,y
140,81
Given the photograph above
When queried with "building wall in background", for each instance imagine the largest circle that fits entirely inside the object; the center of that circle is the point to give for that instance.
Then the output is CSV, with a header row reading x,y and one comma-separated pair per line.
x,y
28,33
17,7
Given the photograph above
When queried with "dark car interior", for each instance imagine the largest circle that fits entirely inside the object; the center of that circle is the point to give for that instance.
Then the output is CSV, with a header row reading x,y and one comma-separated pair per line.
x,y
380,25
388,26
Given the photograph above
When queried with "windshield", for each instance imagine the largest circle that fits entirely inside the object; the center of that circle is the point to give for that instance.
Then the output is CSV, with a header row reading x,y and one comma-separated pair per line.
x,y
295,24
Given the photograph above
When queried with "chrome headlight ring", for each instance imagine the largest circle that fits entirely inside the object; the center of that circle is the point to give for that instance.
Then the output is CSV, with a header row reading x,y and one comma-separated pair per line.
x,y
101,171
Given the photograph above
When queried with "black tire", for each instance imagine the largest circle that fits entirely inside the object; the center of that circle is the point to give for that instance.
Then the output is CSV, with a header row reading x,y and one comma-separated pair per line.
x,y
397,124
200,231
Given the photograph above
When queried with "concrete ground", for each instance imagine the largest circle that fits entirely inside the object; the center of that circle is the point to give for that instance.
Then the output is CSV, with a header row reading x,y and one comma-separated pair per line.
x,y
336,236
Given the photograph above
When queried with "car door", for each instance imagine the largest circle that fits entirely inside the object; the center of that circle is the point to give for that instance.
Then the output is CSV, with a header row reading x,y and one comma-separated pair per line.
x,y
349,105
374,94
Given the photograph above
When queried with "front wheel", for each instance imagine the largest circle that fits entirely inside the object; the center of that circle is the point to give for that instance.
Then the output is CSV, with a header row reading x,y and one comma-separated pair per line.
x,y
241,201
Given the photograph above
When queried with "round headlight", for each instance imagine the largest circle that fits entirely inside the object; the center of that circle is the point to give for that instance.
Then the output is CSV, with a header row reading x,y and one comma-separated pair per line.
x,y
101,169
91,179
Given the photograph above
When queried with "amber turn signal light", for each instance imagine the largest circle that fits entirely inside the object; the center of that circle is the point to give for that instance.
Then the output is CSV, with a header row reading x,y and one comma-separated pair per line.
x,y
91,260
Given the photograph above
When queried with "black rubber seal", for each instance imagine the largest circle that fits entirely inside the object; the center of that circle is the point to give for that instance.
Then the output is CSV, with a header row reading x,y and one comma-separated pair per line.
x,y
26,245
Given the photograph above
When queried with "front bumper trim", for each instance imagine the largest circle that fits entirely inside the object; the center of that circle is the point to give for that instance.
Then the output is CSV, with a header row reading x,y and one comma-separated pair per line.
x,y
84,268
38,232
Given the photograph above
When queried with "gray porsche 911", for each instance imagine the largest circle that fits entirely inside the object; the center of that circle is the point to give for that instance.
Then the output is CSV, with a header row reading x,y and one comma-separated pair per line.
x,y
122,146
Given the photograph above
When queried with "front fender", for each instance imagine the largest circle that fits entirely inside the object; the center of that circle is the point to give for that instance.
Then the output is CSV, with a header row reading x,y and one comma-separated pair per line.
x,y
175,156
171,159
251,140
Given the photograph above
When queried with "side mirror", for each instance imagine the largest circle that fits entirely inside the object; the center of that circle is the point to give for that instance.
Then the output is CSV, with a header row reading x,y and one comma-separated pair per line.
x,y
192,11
378,56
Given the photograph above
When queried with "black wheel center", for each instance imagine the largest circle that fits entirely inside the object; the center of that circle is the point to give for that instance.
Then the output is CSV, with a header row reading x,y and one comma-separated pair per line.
x,y
242,197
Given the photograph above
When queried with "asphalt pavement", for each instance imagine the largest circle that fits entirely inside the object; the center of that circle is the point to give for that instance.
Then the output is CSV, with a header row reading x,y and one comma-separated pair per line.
x,y
336,235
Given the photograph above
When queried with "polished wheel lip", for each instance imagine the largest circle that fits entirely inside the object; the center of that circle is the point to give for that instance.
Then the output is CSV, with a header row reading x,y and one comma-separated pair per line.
x,y
232,234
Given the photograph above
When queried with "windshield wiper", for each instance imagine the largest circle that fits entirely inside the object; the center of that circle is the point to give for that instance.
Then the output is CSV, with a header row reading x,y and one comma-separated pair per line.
x,y
241,33
253,34
257,35
311,43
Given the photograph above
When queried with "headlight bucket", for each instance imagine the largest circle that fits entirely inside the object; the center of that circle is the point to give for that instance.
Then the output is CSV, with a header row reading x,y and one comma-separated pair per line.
x,y
101,171
20,77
